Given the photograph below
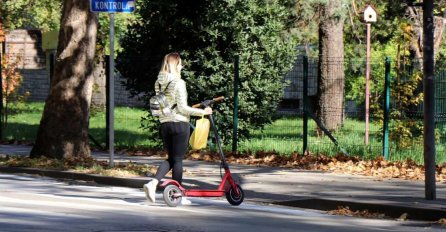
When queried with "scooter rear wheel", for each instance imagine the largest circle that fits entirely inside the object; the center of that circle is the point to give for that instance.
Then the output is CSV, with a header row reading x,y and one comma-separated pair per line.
x,y
172,195
232,196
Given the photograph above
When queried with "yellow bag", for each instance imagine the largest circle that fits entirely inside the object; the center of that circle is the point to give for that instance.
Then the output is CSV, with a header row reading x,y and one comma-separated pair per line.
x,y
199,137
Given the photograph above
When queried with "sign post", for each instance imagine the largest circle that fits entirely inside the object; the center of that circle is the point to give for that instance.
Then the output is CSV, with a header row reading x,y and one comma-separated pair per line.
x,y
112,7
111,92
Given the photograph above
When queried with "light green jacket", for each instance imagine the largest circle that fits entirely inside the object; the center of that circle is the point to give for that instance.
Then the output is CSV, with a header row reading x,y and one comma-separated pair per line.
x,y
176,93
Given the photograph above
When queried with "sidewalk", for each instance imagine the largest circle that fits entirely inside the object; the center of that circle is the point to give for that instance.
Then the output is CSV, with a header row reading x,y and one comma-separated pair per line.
x,y
290,187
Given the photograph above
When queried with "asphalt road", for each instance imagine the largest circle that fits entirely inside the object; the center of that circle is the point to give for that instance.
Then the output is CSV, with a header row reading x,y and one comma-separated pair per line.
x,y
29,203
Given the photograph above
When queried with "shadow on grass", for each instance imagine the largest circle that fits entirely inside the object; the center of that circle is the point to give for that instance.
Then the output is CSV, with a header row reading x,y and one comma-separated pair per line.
x,y
19,132
123,138
24,110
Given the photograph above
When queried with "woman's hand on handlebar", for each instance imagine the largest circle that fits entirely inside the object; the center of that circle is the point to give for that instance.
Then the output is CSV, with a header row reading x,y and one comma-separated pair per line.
x,y
207,111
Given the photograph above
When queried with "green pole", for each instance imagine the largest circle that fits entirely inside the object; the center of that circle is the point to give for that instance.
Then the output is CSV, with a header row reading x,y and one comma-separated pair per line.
x,y
305,104
235,113
386,110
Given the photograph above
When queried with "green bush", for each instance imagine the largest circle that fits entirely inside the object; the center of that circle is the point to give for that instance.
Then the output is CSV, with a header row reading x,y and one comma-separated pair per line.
x,y
208,35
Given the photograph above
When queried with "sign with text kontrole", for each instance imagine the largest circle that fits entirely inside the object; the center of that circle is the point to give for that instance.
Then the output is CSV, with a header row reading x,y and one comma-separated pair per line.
x,y
112,6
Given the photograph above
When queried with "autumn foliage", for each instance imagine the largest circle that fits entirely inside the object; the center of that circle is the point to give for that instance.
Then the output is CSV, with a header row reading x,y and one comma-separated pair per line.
x,y
11,77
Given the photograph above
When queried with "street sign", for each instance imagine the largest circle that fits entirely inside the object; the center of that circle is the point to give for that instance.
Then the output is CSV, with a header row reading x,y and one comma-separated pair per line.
x,y
112,6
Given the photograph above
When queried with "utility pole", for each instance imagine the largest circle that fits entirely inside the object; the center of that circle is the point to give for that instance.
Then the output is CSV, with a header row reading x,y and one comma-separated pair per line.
x,y
429,98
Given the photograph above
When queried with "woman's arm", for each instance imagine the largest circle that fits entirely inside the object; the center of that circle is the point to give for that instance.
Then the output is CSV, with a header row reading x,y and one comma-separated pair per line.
x,y
181,100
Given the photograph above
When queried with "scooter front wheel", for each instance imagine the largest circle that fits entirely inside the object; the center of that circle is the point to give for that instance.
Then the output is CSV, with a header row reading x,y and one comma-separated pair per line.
x,y
172,195
234,198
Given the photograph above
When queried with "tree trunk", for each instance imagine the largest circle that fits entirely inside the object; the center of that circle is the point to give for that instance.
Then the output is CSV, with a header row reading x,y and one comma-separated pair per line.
x,y
63,130
98,98
416,45
440,23
330,91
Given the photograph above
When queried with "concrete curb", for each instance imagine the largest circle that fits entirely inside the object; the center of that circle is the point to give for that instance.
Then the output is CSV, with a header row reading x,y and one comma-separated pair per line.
x,y
390,210
106,180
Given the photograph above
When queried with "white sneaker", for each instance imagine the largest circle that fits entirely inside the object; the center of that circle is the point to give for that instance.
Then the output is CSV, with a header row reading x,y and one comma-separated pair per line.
x,y
150,189
185,201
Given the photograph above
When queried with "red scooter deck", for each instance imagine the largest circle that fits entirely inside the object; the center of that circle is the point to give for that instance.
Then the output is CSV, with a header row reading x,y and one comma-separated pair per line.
x,y
204,193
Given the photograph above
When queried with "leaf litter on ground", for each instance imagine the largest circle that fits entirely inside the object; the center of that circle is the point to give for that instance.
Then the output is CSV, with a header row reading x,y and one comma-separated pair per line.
x,y
340,164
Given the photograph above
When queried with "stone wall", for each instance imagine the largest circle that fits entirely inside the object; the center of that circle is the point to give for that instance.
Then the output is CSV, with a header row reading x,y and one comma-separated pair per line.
x,y
37,83
26,45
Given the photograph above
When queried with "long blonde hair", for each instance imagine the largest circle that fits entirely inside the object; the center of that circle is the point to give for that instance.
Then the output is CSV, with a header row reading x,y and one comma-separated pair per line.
x,y
171,60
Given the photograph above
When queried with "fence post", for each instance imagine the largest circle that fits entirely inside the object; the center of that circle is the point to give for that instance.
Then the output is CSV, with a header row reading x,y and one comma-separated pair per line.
x,y
51,68
305,104
386,110
235,113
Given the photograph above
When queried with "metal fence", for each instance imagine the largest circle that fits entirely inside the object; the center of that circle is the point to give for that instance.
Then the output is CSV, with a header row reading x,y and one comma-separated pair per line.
x,y
299,130
297,126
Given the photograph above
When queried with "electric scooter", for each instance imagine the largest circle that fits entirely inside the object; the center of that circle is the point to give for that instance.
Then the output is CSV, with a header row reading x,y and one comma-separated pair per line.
x,y
174,191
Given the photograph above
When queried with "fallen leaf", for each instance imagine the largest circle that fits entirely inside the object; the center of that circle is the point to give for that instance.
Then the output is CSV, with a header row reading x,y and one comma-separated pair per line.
x,y
403,217
442,221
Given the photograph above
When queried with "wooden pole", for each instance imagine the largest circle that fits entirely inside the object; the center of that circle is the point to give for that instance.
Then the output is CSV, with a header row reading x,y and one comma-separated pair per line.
x,y
367,87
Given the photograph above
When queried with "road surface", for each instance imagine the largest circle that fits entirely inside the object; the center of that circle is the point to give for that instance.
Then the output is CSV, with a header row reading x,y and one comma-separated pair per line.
x,y
30,203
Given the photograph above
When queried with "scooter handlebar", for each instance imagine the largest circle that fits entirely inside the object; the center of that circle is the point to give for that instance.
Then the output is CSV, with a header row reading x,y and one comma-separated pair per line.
x,y
207,103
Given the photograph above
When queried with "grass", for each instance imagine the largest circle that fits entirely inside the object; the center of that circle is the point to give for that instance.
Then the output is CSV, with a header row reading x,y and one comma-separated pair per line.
x,y
24,119
128,131
283,136
286,135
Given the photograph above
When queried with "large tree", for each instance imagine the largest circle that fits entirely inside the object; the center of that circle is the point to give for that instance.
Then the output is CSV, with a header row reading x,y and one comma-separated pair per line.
x,y
330,88
63,129
415,15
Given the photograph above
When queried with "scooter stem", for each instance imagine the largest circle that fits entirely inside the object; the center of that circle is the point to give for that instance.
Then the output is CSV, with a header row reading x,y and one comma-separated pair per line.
x,y
217,138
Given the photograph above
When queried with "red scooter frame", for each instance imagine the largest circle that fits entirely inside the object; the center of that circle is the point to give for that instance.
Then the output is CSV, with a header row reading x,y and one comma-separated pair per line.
x,y
222,188
173,191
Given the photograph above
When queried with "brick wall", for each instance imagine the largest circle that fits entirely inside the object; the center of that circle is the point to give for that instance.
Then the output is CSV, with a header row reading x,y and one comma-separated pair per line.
x,y
37,82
